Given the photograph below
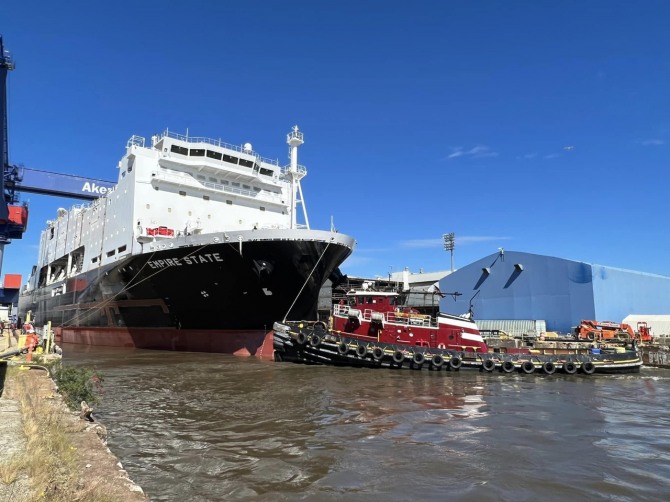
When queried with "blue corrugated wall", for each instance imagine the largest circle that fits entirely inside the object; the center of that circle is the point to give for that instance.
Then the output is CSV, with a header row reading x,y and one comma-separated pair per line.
x,y
561,292
620,293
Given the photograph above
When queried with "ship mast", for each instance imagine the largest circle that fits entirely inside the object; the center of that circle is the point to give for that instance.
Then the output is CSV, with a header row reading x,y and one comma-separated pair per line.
x,y
295,139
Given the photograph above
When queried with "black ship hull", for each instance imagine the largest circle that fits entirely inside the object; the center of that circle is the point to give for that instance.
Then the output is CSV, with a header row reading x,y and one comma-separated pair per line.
x,y
221,297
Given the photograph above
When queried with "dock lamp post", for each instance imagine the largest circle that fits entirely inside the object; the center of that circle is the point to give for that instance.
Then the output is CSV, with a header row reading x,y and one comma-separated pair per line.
x,y
449,246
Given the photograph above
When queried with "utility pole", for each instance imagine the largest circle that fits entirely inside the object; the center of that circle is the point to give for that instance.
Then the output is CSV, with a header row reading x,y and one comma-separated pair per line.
x,y
449,246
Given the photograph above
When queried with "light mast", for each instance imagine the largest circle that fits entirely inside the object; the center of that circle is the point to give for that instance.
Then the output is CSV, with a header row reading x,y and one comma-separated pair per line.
x,y
296,173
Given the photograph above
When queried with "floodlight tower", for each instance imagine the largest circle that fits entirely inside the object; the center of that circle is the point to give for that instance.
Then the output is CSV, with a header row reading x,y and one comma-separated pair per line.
x,y
449,246
296,173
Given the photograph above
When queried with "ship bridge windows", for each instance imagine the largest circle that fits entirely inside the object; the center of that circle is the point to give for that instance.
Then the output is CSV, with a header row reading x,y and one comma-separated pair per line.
x,y
179,149
214,155
246,163
230,158
267,172
197,152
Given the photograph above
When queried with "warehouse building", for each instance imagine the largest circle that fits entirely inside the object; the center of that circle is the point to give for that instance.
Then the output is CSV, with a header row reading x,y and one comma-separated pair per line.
x,y
510,285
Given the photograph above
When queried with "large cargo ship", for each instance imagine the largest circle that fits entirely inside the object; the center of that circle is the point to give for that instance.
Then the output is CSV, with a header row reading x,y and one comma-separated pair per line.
x,y
200,247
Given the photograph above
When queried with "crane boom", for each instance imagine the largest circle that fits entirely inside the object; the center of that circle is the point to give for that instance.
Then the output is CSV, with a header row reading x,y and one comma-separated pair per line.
x,y
29,180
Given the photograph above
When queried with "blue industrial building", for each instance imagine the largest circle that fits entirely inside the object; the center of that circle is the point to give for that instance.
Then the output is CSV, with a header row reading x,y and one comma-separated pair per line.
x,y
511,285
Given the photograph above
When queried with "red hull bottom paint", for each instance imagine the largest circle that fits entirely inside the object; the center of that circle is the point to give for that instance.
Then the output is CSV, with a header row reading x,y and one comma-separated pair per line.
x,y
240,343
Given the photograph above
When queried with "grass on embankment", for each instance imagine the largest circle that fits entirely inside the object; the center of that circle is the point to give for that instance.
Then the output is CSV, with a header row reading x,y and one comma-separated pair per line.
x,y
50,456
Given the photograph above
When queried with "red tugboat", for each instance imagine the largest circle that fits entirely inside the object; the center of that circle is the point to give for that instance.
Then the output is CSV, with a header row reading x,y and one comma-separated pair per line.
x,y
378,316
373,329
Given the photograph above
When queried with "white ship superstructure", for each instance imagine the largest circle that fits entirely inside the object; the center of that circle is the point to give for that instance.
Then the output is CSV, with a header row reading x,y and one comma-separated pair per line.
x,y
178,186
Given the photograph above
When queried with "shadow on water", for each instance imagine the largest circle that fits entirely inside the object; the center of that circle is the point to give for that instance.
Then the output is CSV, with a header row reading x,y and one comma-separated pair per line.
x,y
191,426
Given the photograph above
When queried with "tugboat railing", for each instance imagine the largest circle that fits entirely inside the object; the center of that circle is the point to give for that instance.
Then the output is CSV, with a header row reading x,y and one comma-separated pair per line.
x,y
402,318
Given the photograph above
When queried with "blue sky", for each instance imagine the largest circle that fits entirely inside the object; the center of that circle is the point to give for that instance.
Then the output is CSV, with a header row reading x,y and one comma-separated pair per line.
x,y
534,126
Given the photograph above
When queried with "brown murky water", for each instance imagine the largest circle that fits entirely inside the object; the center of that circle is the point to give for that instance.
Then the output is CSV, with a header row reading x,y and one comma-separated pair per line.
x,y
210,427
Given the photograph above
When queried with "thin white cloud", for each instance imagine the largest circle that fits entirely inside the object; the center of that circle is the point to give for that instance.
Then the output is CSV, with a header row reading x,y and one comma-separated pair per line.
x,y
551,156
468,239
653,142
476,152
528,156
465,239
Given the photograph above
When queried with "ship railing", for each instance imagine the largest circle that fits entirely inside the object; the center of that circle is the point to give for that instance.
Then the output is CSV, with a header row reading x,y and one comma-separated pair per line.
x,y
135,141
186,180
215,142
301,169
407,319
410,319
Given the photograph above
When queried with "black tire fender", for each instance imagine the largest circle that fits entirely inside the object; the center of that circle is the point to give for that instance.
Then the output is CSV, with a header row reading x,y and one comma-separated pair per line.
x,y
488,365
588,368
527,367
302,338
549,368
570,368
